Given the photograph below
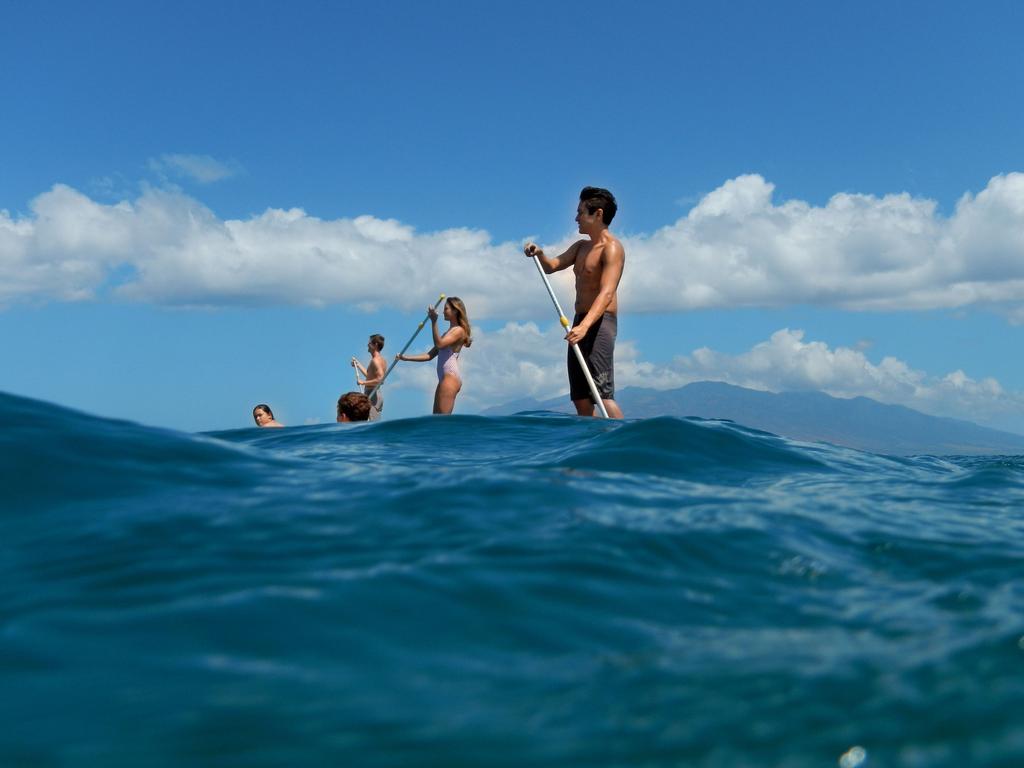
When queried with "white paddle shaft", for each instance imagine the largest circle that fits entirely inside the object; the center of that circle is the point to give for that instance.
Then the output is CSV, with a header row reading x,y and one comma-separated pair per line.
x,y
575,347
407,345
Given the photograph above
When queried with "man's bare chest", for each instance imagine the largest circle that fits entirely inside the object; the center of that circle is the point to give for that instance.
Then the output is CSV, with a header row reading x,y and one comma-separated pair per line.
x,y
588,261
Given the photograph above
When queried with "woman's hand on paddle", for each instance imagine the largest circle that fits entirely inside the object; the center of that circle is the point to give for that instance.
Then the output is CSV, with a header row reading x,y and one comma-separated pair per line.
x,y
432,314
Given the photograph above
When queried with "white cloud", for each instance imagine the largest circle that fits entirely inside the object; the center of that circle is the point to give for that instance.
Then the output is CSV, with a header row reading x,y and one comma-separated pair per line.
x,y
201,168
736,247
65,250
176,251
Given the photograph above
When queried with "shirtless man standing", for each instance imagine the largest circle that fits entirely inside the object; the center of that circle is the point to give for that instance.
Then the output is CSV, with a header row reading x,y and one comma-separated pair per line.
x,y
597,264
373,374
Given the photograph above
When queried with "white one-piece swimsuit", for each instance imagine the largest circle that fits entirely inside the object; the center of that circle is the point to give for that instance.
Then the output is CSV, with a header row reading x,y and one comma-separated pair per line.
x,y
448,364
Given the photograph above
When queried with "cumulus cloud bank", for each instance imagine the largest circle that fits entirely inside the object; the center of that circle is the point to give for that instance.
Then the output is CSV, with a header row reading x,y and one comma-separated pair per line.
x,y
736,247
522,360
167,248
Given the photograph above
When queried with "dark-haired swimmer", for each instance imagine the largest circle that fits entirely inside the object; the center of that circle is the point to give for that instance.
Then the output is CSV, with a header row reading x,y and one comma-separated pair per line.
x,y
446,349
373,373
597,264
354,406
264,417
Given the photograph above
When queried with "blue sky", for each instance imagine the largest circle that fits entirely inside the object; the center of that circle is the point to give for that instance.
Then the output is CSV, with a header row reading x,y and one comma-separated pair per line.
x,y
211,205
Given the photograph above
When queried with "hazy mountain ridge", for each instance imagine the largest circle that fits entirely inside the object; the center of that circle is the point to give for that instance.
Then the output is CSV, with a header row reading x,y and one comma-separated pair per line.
x,y
859,422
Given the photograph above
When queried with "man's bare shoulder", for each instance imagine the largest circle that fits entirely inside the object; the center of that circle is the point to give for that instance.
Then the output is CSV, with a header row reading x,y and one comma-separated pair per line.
x,y
575,248
612,246
572,253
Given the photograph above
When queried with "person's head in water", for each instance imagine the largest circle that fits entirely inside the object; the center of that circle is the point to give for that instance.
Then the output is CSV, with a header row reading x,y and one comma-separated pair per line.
x,y
353,406
593,199
376,343
455,312
263,416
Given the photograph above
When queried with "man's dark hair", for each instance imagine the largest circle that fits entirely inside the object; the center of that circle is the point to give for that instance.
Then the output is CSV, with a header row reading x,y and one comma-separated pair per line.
x,y
377,341
355,405
596,197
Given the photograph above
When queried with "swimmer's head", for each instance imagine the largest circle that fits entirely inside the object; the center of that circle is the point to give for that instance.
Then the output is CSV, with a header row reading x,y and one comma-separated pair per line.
x,y
353,406
262,414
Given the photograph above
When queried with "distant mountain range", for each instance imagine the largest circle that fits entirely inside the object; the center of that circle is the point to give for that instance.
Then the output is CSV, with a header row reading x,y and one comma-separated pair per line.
x,y
810,416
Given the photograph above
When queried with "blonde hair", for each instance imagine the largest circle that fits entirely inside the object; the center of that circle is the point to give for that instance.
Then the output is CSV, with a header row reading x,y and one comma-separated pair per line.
x,y
461,318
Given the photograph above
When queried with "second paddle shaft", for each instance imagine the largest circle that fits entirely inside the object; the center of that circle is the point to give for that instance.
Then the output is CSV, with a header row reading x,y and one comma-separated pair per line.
x,y
407,345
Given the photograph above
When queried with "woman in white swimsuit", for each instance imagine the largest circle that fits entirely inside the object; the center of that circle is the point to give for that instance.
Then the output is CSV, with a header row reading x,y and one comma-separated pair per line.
x,y
446,349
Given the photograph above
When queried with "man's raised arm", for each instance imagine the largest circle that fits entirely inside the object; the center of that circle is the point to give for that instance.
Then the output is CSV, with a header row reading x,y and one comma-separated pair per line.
x,y
550,265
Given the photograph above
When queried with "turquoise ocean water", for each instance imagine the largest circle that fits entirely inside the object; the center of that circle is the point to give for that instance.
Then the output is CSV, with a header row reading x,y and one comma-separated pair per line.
x,y
534,590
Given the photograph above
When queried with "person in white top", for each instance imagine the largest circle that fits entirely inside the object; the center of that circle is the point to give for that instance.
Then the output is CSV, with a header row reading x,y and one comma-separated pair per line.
x,y
447,349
